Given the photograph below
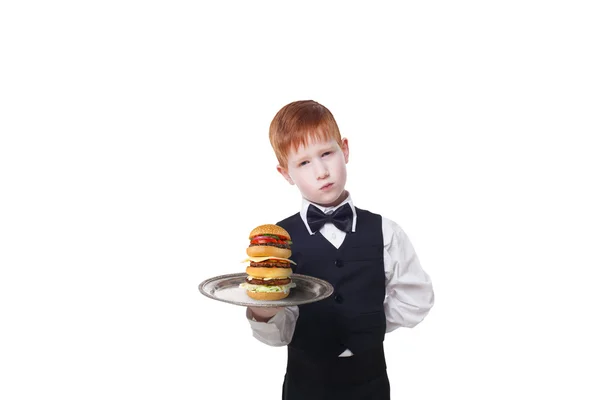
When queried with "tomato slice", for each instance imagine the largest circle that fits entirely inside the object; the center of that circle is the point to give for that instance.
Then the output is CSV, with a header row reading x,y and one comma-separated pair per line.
x,y
267,237
263,241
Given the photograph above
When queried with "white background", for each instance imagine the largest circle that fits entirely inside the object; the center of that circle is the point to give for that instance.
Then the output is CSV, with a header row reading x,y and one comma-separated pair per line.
x,y
134,161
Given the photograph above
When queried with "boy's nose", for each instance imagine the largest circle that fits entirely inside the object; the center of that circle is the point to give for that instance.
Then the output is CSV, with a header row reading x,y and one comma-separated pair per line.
x,y
321,171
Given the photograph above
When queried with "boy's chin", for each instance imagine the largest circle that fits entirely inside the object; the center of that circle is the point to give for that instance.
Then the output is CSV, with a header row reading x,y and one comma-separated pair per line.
x,y
329,199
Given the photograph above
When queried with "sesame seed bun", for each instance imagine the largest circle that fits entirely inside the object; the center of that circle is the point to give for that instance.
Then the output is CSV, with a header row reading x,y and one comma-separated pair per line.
x,y
269,229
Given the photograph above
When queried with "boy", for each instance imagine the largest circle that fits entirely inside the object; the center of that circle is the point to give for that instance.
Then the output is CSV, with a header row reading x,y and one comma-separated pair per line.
x,y
335,346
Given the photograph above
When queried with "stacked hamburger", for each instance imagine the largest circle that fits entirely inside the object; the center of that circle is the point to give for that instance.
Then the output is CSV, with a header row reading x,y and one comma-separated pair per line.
x,y
270,269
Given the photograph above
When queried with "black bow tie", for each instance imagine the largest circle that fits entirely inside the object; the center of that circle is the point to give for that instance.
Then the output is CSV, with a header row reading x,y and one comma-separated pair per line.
x,y
341,218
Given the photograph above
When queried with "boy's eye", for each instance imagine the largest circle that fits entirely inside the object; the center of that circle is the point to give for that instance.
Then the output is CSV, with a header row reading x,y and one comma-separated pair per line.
x,y
326,154
303,163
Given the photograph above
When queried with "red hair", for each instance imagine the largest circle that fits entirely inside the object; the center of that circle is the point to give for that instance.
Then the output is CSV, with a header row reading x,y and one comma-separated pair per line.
x,y
297,123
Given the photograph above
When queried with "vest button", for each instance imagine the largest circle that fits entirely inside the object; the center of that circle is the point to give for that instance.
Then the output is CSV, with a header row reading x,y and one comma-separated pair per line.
x,y
338,298
339,263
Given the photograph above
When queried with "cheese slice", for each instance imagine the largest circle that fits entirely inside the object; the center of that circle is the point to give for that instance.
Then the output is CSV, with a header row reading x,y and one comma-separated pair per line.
x,y
248,278
261,259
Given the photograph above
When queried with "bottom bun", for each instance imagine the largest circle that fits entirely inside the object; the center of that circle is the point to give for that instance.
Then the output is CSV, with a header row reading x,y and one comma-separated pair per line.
x,y
266,272
267,295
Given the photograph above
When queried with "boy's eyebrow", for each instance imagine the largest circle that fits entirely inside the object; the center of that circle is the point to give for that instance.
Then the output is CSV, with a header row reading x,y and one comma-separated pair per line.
x,y
320,148
328,147
297,160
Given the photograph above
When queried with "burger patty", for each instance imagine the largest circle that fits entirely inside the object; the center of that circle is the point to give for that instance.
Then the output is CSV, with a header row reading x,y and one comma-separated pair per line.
x,y
270,282
270,264
281,246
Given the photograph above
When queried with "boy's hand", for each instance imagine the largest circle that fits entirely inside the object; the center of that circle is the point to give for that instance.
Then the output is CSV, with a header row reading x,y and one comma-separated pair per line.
x,y
264,314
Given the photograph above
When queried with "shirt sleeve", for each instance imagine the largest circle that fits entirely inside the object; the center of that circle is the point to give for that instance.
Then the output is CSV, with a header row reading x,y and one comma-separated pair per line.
x,y
278,331
409,291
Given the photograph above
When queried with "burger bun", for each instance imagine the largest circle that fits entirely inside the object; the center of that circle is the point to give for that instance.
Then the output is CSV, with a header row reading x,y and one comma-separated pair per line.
x,y
267,272
268,251
268,296
269,229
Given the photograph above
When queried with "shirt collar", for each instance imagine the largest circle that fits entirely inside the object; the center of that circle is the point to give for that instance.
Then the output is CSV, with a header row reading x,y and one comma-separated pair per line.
x,y
306,203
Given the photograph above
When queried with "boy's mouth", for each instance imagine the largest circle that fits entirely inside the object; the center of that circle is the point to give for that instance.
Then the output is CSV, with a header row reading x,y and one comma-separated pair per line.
x,y
329,185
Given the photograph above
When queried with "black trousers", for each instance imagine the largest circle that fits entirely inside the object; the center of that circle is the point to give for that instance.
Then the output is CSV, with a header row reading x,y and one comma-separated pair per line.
x,y
360,377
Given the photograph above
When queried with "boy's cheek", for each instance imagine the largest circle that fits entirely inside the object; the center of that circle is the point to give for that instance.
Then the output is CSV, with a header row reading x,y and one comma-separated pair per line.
x,y
289,179
285,175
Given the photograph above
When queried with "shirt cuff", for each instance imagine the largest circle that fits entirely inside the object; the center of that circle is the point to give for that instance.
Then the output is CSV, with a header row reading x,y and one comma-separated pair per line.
x,y
276,319
272,332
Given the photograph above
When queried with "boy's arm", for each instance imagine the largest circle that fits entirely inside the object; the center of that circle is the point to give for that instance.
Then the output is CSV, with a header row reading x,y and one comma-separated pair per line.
x,y
409,291
273,326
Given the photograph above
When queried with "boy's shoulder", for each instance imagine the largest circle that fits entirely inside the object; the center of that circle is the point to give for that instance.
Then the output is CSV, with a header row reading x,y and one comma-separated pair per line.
x,y
371,214
363,211
389,226
289,220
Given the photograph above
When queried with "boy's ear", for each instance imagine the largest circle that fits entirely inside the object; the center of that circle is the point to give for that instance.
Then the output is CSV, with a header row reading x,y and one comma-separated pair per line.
x,y
285,174
345,149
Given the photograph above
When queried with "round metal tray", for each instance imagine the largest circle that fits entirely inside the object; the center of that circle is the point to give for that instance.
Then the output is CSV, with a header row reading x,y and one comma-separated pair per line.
x,y
227,288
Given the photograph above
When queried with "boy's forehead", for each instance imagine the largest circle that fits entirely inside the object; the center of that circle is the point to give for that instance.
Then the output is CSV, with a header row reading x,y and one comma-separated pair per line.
x,y
311,144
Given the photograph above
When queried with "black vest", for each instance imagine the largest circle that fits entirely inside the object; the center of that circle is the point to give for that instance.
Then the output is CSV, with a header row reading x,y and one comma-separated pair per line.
x,y
353,317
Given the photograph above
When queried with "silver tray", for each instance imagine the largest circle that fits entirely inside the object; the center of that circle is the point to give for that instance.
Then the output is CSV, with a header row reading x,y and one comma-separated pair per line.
x,y
227,288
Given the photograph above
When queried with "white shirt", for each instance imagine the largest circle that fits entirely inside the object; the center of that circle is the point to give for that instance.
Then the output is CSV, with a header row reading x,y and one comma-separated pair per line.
x,y
408,290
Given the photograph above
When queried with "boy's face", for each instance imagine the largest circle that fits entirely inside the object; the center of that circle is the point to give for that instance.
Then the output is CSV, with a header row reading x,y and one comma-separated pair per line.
x,y
319,171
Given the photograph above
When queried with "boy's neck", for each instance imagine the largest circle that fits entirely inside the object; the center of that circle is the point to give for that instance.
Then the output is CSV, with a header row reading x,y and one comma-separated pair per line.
x,y
337,202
